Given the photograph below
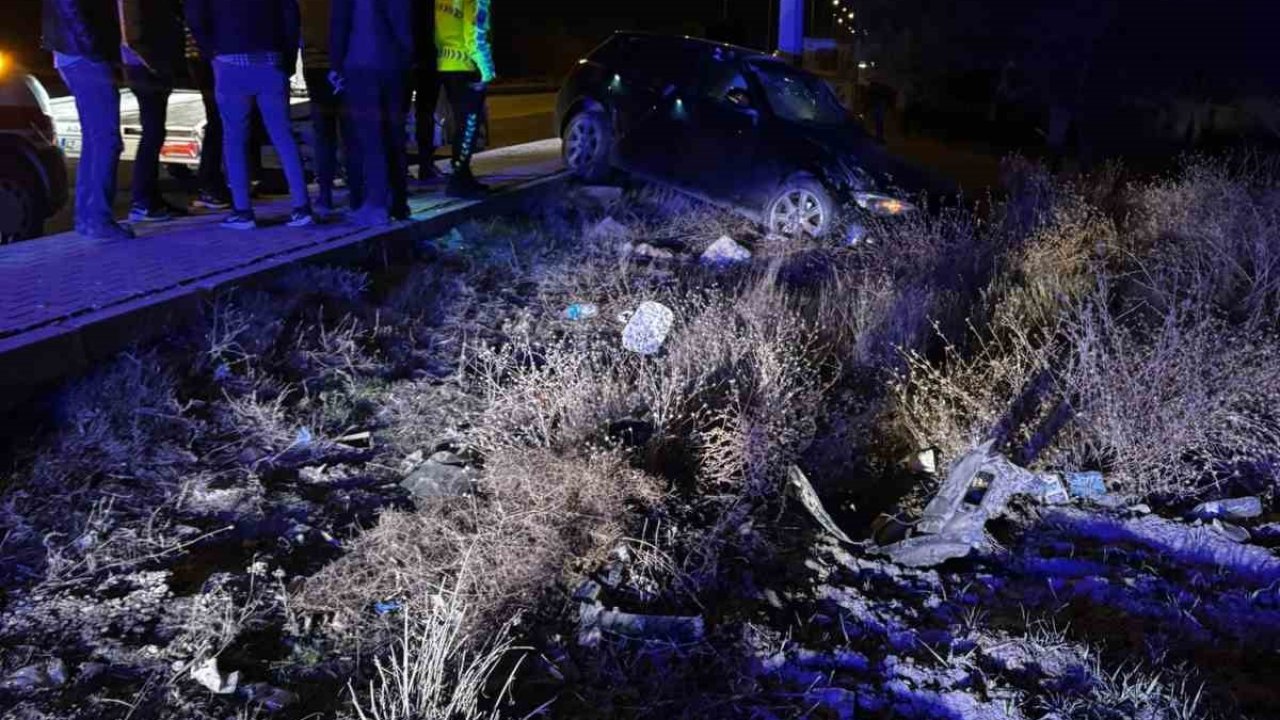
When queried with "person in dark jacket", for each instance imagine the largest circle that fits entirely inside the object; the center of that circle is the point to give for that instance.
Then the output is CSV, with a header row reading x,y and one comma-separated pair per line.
x,y
328,119
254,46
151,48
372,51
84,36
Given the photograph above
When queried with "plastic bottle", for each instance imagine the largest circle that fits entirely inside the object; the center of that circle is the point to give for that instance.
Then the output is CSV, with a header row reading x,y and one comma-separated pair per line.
x,y
581,311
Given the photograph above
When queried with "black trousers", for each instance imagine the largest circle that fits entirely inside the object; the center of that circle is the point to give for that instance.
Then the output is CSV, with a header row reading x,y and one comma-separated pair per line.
x,y
328,122
376,104
211,175
467,102
152,91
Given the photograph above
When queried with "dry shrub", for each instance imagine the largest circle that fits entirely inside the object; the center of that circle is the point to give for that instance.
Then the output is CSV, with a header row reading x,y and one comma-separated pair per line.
x,y
537,515
1164,409
123,421
1208,238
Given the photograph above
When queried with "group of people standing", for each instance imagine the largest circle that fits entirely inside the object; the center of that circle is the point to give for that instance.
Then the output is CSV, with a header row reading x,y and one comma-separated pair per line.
x,y
363,62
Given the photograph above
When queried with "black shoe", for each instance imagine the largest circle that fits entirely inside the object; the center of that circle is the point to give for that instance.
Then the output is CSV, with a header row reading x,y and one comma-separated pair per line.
x,y
465,185
300,217
145,214
428,174
107,231
240,220
209,201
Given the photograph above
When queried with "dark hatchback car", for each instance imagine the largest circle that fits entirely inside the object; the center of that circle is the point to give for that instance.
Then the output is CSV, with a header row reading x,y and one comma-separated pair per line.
x,y
735,126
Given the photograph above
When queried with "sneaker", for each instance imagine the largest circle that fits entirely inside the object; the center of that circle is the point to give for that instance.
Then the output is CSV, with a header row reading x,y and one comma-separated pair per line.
x,y
240,220
300,217
107,231
144,214
209,201
465,185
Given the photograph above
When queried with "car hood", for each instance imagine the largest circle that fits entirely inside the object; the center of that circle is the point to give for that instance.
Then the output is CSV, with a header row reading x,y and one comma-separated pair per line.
x,y
853,153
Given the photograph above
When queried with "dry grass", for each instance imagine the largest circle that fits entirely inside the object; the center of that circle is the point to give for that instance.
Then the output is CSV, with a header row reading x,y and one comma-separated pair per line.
x,y
437,670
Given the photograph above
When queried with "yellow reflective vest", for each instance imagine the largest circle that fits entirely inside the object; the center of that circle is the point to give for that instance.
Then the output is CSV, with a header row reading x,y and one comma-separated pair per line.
x,y
462,37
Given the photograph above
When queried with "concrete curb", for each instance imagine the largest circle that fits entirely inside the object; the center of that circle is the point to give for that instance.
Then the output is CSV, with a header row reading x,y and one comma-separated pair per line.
x,y
35,357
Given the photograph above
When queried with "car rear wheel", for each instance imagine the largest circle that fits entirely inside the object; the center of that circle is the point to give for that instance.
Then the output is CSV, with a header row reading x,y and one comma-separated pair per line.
x,y
800,208
21,205
586,145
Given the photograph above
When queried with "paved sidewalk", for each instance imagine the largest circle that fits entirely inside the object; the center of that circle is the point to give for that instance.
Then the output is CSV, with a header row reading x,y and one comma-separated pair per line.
x,y
55,290
65,276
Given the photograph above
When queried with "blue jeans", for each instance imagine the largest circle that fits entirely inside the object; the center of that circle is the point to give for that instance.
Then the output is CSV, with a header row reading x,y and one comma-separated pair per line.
x,y
93,85
238,88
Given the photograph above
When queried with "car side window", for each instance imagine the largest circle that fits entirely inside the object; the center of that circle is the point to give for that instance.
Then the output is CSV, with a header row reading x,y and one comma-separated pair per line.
x,y
721,79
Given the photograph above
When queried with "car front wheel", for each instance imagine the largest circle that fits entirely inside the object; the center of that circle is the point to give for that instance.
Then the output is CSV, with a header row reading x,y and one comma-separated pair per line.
x,y
586,145
801,207
21,204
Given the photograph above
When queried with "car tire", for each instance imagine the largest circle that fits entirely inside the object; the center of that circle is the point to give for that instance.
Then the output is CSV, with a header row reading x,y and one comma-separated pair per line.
x,y
588,139
22,204
801,207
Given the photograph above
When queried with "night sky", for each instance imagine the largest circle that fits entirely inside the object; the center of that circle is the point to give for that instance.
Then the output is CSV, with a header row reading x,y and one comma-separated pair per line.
x,y
530,38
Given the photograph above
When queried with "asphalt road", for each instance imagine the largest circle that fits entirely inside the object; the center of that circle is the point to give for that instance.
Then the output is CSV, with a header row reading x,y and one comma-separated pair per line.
x,y
513,120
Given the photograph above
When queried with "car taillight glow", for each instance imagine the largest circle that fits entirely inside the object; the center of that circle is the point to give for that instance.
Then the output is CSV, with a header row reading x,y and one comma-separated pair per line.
x,y
184,149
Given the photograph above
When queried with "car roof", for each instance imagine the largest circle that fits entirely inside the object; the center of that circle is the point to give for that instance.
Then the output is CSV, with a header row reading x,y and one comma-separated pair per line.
x,y
745,52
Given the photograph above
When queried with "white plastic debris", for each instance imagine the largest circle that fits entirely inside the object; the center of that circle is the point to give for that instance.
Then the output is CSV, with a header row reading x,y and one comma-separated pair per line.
x,y
925,461
648,328
1233,509
725,252
594,621
652,252
800,486
207,675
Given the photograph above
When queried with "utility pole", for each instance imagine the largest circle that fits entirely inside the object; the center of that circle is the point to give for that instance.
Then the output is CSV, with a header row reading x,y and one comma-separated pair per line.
x,y
791,29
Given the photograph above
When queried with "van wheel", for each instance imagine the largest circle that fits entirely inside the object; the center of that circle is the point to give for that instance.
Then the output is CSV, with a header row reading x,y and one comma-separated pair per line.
x,y
801,207
21,204
587,143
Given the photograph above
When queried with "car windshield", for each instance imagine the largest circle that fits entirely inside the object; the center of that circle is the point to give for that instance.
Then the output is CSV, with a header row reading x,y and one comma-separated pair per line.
x,y
799,97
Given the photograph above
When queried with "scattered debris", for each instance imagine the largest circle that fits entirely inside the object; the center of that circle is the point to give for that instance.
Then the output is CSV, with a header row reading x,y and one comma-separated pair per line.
x,y
607,229
594,621
1234,533
452,240
652,252
724,253
364,439
924,461
444,474
386,607
273,699
207,674
802,489
855,234
37,676
977,489
581,311
648,328
1235,508
1085,484
303,439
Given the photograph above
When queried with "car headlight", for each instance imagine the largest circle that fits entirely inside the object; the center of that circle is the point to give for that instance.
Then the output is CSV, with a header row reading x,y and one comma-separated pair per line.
x,y
883,205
